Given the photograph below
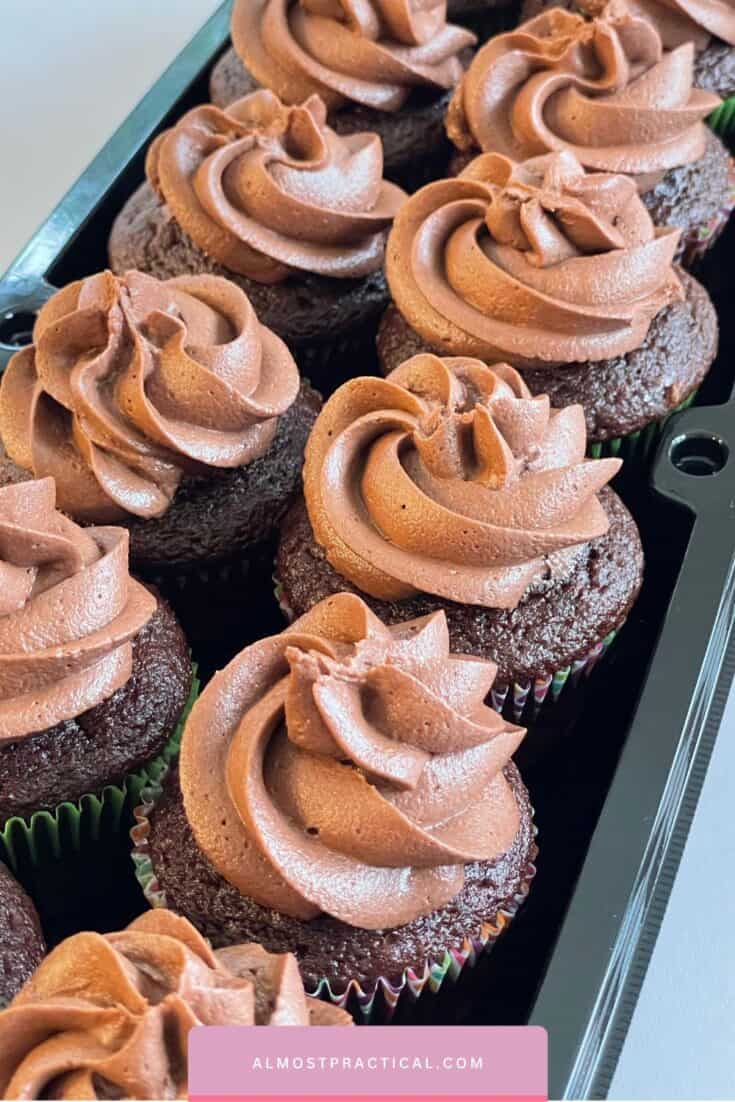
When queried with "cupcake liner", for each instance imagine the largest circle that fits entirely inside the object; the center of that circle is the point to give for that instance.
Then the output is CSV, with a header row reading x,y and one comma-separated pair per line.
x,y
28,845
515,699
722,121
379,1004
637,447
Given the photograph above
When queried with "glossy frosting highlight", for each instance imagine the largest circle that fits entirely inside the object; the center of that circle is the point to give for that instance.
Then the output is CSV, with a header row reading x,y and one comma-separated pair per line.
x,y
534,263
267,190
369,52
604,90
350,769
109,1016
132,383
449,478
69,611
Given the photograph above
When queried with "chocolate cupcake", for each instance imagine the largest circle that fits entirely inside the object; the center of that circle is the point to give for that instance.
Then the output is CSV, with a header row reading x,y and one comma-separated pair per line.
x,y
564,276
708,24
344,793
21,941
272,198
449,487
168,408
109,1016
387,67
94,677
608,92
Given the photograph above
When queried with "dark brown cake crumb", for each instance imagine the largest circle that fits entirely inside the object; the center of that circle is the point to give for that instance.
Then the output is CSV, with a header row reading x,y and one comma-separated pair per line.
x,y
107,742
545,633
22,946
620,395
325,946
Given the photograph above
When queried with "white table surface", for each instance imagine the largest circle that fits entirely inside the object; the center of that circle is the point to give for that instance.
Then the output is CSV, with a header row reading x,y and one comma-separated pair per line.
x,y
70,71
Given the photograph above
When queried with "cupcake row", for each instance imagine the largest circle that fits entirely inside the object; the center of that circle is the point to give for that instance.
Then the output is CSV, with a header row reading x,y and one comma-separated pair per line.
x,y
448,551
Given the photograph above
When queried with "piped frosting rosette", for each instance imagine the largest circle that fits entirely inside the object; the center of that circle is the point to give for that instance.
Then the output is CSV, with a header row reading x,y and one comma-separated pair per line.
x,y
132,383
69,611
371,52
266,189
604,90
535,263
350,769
449,478
678,21
109,1016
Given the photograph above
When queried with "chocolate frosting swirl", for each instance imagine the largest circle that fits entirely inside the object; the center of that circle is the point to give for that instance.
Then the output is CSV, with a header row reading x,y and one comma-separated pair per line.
x,y
603,90
350,769
69,611
266,190
109,1016
449,478
535,263
131,383
678,21
371,52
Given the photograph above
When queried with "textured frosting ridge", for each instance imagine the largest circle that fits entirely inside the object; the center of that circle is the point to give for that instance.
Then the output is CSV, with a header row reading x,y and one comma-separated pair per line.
x,y
678,21
347,768
69,611
132,382
109,1016
266,189
449,478
604,90
371,52
534,263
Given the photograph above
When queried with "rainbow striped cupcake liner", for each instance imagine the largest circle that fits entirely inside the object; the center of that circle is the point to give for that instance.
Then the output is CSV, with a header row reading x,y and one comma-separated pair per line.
x,y
379,1003
521,698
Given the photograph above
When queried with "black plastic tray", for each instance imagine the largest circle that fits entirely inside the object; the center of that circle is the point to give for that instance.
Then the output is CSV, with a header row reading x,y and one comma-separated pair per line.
x,y
615,798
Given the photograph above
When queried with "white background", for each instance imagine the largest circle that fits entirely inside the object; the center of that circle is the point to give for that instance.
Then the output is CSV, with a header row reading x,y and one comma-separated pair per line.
x,y
70,71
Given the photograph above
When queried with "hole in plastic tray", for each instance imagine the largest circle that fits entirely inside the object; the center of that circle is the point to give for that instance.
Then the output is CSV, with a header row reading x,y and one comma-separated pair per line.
x,y
16,329
699,454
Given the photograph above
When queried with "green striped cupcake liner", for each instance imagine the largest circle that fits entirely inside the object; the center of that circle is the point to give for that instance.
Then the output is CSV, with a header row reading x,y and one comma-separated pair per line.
x,y
27,846
637,447
722,121
378,1004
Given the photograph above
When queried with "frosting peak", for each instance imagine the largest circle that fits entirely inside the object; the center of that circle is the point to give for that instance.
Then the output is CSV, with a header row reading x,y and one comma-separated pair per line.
x,y
132,383
679,21
109,1016
348,768
68,612
604,90
536,263
266,189
371,52
449,478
